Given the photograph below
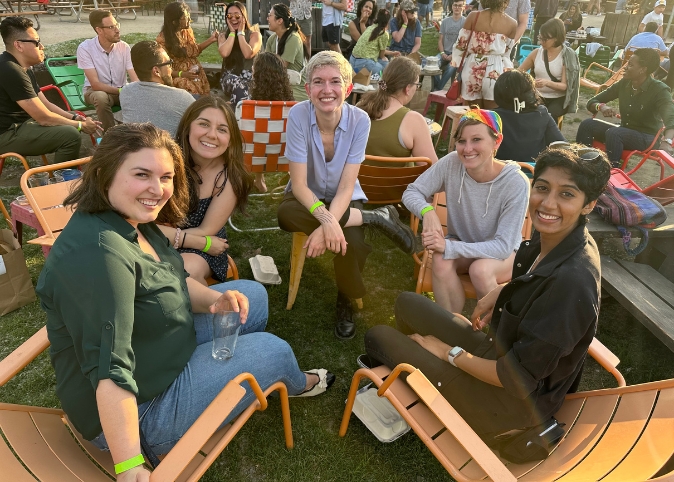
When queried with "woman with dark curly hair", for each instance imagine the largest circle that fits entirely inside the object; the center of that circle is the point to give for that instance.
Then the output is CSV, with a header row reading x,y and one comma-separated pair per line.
x,y
541,323
487,55
238,45
289,43
270,82
177,38
528,127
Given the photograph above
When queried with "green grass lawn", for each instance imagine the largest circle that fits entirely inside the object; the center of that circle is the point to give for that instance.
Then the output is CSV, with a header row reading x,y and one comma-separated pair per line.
x,y
257,453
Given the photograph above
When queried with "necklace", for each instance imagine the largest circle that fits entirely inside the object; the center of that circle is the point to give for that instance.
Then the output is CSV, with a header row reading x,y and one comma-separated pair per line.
x,y
326,133
534,264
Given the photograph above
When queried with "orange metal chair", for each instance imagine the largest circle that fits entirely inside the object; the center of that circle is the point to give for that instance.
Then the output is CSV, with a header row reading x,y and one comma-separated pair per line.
x,y
40,443
627,154
612,78
4,156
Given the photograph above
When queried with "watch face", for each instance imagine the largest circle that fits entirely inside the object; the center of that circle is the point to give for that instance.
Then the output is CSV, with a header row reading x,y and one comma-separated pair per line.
x,y
455,351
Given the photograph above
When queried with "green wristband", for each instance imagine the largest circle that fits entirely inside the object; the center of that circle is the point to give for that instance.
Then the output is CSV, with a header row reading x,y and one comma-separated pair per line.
x,y
129,464
426,209
180,73
315,206
232,34
404,26
208,244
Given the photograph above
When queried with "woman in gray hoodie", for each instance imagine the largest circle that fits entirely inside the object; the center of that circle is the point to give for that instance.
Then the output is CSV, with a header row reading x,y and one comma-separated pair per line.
x,y
486,204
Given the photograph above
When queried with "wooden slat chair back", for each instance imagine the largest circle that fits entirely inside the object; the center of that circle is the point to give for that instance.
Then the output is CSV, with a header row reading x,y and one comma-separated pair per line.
x,y
386,184
47,201
617,434
425,262
263,126
40,443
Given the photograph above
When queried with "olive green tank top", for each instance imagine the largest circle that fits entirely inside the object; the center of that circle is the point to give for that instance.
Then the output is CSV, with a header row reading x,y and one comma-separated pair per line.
x,y
384,139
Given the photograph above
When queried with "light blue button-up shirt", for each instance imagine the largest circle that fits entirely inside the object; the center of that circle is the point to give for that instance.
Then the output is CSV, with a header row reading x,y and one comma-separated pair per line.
x,y
304,145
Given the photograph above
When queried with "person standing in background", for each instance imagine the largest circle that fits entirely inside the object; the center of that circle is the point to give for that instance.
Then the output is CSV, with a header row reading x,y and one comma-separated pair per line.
x,y
301,10
543,11
449,32
655,16
333,13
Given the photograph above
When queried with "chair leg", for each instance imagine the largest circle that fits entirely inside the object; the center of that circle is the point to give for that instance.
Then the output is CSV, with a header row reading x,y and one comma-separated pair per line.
x,y
428,105
297,256
5,214
359,303
45,161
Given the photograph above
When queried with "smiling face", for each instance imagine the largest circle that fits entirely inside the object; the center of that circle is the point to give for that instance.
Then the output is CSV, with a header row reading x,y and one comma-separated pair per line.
x,y
556,203
326,89
572,10
274,22
235,18
209,135
476,147
142,185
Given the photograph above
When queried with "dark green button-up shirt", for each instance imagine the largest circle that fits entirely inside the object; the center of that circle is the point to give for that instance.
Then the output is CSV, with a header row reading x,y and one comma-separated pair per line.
x,y
113,312
645,110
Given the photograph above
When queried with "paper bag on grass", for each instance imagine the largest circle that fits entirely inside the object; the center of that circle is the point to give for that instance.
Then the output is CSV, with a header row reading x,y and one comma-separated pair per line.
x,y
418,101
362,77
16,288
416,57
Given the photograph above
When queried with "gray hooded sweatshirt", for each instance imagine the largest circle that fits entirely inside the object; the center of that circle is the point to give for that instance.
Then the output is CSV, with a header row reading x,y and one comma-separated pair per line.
x,y
484,219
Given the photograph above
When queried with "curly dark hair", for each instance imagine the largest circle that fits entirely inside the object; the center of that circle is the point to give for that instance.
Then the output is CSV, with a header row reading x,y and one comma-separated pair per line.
x,y
648,58
588,168
270,80
515,84
495,5
359,10
173,13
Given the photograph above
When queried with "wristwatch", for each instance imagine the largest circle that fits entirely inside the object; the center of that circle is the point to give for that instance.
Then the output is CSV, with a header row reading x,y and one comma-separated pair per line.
x,y
453,353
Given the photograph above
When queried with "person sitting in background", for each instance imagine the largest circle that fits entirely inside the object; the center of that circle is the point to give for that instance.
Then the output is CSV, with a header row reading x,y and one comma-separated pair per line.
x,y
370,50
366,13
269,82
655,16
397,131
528,127
131,336
212,146
556,69
405,29
30,125
540,324
238,45
106,61
449,32
287,41
153,98
647,39
177,38
326,140
572,18
644,104
486,204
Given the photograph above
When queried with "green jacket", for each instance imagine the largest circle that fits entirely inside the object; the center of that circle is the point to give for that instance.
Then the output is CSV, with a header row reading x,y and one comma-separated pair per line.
x,y
572,67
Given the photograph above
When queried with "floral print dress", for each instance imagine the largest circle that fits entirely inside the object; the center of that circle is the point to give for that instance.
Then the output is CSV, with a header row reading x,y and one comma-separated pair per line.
x,y
198,86
487,57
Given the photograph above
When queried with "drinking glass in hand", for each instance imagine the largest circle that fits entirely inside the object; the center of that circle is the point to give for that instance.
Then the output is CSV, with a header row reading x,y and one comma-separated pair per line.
x,y
226,325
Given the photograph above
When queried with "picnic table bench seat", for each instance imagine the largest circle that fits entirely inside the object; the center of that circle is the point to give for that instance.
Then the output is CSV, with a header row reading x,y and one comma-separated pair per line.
x,y
644,292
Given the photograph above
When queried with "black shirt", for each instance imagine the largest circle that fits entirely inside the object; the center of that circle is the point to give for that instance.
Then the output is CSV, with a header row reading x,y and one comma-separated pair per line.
x,y
645,110
17,84
526,134
544,321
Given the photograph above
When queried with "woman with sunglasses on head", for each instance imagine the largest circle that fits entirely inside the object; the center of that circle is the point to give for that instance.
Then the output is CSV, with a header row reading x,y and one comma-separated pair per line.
x,y
288,42
238,45
556,69
131,336
177,38
540,324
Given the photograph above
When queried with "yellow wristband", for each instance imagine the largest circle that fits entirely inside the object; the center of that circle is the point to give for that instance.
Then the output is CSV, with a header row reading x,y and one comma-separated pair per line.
x,y
129,464
208,244
404,26
232,34
79,126
180,73
315,206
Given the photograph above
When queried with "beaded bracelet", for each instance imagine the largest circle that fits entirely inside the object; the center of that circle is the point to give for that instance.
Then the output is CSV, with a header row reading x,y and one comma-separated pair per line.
x,y
129,464
426,209
315,206
176,239
208,244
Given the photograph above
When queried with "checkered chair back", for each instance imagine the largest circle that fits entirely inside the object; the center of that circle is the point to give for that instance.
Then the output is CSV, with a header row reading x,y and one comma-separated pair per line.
x,y
218,17
263,126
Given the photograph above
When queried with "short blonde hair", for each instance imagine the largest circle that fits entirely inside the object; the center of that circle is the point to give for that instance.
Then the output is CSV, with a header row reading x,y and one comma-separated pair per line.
x,y
328,58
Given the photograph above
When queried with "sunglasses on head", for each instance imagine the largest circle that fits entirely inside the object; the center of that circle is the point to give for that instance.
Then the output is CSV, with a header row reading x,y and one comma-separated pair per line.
x,y
585,153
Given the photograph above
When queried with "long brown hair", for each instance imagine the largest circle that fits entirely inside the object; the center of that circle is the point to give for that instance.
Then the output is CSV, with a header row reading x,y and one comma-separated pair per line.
x,y
400,72
91,194
233,157
234,61
270,79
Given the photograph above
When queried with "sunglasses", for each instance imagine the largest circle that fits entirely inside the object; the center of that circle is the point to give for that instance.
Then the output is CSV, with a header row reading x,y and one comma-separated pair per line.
x,y
168,62
233,16
37,42
585,153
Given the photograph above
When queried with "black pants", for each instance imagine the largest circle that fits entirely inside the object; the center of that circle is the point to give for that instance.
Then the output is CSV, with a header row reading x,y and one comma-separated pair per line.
x,y
555,106
294,217
488,409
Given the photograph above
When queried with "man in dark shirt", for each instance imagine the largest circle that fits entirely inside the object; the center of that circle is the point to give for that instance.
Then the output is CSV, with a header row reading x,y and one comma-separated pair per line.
x,y
645,104
30,125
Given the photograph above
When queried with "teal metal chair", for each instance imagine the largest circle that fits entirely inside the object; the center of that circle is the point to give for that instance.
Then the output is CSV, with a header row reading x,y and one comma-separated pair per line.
x,y
603,57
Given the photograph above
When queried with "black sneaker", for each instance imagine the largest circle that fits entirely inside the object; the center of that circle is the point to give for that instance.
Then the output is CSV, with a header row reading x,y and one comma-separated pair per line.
x,y
387,221
345,328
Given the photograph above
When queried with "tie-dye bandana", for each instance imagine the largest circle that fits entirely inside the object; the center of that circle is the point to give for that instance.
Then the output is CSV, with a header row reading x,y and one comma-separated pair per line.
x,y
487,117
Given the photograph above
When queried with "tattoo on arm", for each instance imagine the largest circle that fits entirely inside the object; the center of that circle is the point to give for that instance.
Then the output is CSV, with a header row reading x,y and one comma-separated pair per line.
x,y
323,215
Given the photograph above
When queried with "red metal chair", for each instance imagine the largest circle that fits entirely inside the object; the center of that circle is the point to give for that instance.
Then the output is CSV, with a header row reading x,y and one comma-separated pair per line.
x,y
440,97
629,153
662,190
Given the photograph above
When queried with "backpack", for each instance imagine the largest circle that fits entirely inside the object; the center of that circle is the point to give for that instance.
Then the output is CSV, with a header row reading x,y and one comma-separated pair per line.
x,y
627,208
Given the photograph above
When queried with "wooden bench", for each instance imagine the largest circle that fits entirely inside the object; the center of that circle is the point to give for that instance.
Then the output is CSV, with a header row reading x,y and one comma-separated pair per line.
x,y
644,292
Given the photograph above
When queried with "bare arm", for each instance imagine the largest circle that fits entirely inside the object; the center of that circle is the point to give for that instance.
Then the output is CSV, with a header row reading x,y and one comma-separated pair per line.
x,y
417,45
528,63
226,43
132,75
397,36
45,117
209,41
560,86
206,300
522,21
353,31
659,31
441,45
53,107
92,77
250,50
337,5
347,183
416,134
642,26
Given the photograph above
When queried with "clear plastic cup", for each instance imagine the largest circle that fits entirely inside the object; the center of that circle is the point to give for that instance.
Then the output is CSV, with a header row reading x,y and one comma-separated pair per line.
x,y
226,325
38,179
195,70
56,179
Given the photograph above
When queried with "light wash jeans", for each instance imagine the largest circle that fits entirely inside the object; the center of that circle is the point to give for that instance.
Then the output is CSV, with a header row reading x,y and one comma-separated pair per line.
x,y
167,417
375,67
448,72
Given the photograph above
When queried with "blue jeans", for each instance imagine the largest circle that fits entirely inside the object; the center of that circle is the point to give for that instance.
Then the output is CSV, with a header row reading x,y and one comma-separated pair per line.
x,y
375,67
615,137
167,417
448,73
